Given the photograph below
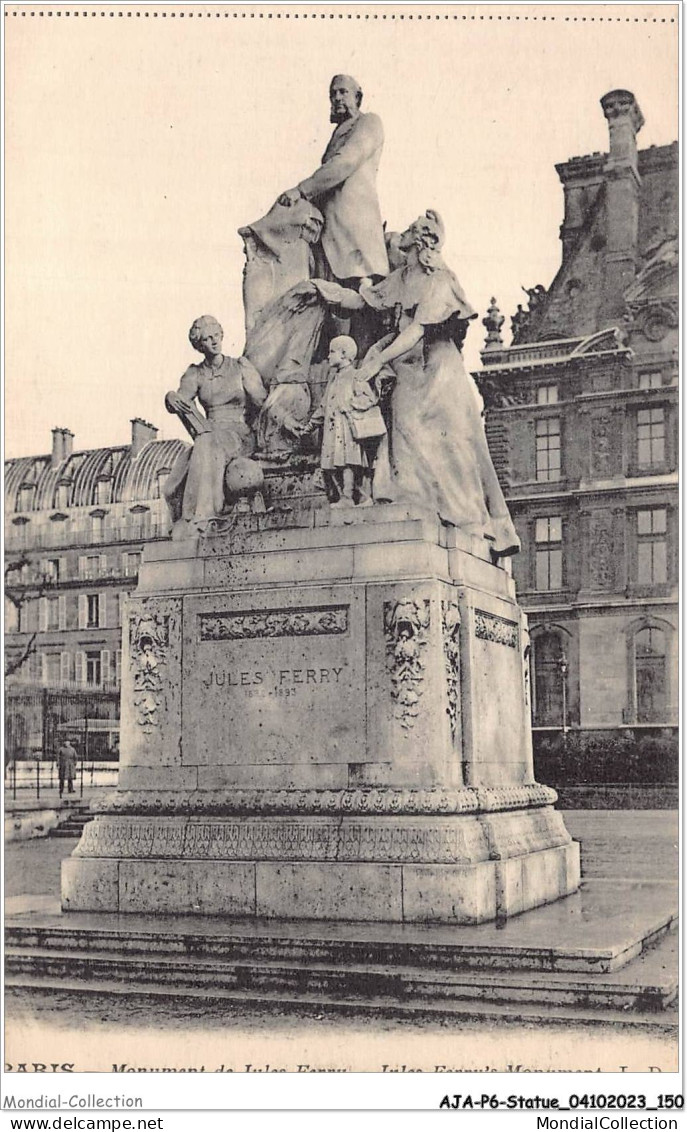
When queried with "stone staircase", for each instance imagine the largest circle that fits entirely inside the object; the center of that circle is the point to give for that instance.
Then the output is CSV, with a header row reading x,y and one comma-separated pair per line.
x,y
73,826
273,964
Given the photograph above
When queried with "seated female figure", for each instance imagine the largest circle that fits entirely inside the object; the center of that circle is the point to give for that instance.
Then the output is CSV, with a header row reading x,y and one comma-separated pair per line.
x,y
218,465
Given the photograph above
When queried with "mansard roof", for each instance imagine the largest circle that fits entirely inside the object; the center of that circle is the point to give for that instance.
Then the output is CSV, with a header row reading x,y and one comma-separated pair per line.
x,y
132,479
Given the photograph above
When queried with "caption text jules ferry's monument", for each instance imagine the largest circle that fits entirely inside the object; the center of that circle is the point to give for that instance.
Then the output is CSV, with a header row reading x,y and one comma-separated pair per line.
x,y
325,696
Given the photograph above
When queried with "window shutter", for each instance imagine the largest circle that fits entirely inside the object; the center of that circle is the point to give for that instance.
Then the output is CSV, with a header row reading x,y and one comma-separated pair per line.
x,y
118,667
83,611
82,566
64,667
43,660
62,606
103,565
80,667
42,614
105,666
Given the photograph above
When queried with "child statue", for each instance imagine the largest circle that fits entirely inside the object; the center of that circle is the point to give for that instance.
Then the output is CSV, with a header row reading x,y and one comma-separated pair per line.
x,y
350,416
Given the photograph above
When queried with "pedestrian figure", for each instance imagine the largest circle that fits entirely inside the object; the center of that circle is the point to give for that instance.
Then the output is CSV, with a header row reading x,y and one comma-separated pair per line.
x,y
66,766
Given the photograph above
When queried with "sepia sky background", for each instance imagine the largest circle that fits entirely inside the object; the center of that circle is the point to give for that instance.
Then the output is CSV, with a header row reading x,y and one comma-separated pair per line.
x,y
136,146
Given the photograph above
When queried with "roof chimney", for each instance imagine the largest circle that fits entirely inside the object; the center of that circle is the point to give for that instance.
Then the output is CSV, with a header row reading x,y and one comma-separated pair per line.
x,y
625,120
57,448
142,432
67,443
62,446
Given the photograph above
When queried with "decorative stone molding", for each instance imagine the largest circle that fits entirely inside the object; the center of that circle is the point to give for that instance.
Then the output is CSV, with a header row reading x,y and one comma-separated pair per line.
x,y
299,839
655,319
148,647
601,552
326,621
465,800
450,627
601,445
406,625
499,630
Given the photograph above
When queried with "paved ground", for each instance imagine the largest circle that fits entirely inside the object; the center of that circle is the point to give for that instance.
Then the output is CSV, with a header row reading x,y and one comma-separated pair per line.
x,y
99,1033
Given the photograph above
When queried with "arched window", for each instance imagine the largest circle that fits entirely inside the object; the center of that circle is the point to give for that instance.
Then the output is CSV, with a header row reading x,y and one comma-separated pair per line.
x,y
650,675
549,674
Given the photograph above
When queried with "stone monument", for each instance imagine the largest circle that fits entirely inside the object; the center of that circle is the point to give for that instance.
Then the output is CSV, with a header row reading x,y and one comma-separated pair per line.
x,y
325,699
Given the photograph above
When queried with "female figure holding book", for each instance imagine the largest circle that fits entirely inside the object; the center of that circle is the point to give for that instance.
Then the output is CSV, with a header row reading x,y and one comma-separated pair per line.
x,y
196,488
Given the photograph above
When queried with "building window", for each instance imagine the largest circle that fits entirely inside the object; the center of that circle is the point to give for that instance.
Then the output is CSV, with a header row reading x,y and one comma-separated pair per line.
x,y
652,556
51,669
131,561
53,613
25,497
93,669
651,437
97,527
89,566
650,675
115,610
103,491
651,380
92,611
62,495
548,536
547,395
549,674
52,569
160,483
548,450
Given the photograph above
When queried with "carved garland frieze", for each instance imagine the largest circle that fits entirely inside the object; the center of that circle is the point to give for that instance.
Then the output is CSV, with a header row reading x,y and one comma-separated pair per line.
x,y
464,800
329,621
406,625
148,649
499,630
450,627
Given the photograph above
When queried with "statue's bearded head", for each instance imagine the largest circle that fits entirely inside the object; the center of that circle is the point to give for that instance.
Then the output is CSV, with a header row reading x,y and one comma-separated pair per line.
x,y
345,96
206,336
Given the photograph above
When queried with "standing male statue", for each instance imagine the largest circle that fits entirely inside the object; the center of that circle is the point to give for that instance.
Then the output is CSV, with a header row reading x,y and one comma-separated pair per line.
x,y
344,189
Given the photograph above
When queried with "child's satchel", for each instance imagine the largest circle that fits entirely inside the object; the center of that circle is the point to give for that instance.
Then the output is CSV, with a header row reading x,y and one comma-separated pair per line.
x,y
367,425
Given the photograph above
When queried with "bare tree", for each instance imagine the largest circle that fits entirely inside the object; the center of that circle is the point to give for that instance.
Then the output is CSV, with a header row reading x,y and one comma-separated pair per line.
x,y
19,590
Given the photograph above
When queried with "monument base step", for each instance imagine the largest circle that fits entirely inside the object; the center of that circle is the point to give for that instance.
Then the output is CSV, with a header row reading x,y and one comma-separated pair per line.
x,y
647,984
607,952
355,891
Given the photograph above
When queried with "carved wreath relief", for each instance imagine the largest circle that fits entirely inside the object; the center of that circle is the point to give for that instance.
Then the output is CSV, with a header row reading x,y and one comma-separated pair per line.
x,y
450,627
148,643
406,624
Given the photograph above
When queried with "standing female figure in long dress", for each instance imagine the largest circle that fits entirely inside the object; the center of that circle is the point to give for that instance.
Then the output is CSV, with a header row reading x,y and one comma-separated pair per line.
x,y
437,455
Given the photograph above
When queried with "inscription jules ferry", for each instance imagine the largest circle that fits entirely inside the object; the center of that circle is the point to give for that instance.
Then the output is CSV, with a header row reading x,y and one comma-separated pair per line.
x,y
323,621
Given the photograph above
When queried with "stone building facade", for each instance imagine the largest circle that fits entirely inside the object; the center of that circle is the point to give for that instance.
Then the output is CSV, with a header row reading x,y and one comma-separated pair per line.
x,y
582,420
75,527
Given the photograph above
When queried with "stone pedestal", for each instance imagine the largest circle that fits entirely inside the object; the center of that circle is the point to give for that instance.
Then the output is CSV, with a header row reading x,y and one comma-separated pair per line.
x,y
325,722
